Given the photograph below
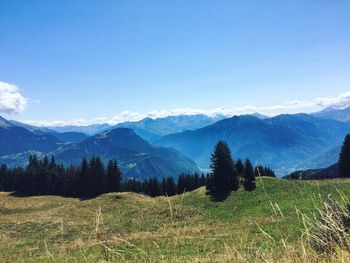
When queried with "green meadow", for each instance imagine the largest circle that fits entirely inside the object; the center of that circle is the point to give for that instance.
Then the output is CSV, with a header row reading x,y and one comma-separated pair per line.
x,y
266,225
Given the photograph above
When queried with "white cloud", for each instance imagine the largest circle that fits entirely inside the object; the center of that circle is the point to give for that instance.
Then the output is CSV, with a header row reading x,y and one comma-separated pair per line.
x,y
293,106
11,100
342,101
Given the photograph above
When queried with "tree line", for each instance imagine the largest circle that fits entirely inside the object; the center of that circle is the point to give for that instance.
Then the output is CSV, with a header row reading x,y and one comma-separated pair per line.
x,y
167,186
92,178
46,177
186,182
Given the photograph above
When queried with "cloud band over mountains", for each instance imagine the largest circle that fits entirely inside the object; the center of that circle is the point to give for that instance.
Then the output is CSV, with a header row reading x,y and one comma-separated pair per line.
x,y
295,106
12,101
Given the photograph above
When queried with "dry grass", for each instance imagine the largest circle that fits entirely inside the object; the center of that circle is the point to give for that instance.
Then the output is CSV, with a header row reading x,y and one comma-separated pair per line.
x,y
276,223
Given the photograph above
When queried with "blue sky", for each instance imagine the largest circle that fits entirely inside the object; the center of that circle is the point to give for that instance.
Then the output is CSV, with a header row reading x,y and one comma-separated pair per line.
x,y
69,60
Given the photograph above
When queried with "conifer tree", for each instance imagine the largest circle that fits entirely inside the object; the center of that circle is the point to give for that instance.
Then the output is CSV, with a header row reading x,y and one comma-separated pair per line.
x,y
196,181
100,175
344,158
3,177
83,178
154,188
113,176
69,186
269,172
202,180
96,179
29,184
259,171
249,176
42,177
224,175
52,163
170,188
240,168
162,187
46,162
181,184
145,187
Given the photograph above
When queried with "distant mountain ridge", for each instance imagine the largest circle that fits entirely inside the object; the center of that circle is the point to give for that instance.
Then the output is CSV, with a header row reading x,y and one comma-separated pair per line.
x,y
148,128
284,142
153,129
15,139
5,123
330,172
88,129
138,158
339,114
62,136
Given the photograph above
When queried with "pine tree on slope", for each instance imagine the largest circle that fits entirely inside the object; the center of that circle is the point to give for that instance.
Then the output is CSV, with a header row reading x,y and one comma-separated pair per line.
x,y
249,176
224,177
344,158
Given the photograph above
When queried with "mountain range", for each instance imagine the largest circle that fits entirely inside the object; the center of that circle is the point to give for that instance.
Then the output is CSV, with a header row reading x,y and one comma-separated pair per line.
x,y
153,129
284,142
87,129
333,113
166,146
137,158
69,136
16,139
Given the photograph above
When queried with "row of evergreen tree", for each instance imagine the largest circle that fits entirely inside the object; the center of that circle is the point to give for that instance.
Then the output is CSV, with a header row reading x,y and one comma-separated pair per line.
x,y
46,177
167,186
259,170
92,178
188,182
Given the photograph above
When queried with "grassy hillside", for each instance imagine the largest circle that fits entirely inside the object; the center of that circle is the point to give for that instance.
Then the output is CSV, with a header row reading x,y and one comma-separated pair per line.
x,y
247,227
